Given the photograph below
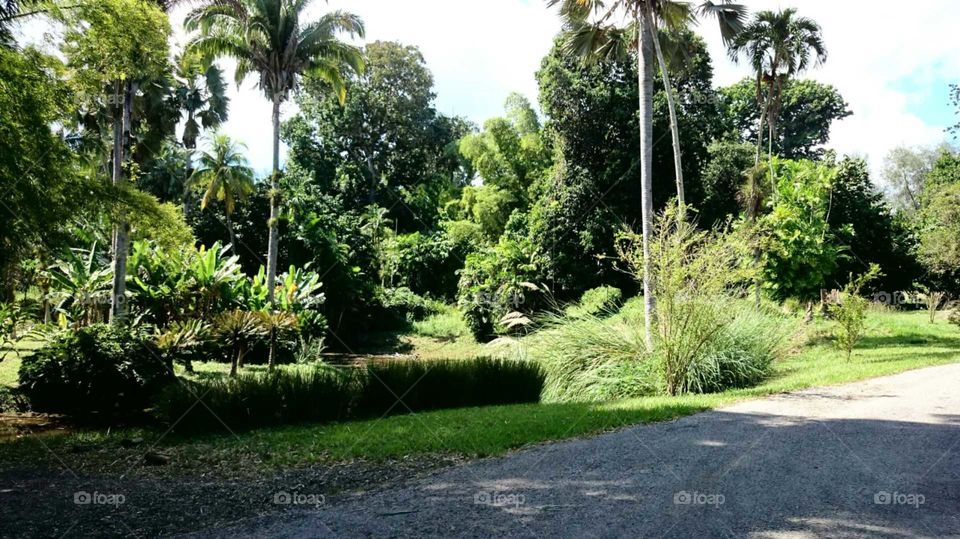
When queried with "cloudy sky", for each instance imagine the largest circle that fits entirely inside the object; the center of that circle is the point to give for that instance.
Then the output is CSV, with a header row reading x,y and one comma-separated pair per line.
x,y
891,61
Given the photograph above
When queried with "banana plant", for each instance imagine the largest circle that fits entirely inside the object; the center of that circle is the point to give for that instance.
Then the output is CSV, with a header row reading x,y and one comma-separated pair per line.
x,y
157,281
80,284
212,277
296,290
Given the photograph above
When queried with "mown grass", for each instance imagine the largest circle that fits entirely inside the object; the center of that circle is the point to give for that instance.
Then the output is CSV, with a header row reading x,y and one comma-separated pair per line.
x,y
895,342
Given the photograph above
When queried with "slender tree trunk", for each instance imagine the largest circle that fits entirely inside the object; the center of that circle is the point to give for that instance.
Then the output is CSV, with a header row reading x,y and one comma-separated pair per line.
x,y
771,120
274,241
273,347
645,74
763,117
233,237
236,360
674,126
122,228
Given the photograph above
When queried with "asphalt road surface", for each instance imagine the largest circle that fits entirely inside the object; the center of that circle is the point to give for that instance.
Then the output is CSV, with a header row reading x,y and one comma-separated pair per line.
x,y
879,458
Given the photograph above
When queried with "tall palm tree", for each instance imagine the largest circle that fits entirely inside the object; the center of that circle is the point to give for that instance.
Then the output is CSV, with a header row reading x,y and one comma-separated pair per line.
x,y
674,16
201,95
778,46
223,175
269,38
598,30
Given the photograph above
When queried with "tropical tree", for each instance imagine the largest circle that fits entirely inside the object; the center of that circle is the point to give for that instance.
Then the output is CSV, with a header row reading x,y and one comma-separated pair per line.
x,y
778,46
269,38
116,44
200,93
223,175
607,30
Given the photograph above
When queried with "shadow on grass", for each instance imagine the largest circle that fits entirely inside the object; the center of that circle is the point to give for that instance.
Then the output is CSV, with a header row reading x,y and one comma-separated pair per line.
x,y
909,339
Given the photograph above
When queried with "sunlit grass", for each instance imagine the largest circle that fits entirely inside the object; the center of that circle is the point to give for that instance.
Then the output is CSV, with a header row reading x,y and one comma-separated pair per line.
x,y
895,342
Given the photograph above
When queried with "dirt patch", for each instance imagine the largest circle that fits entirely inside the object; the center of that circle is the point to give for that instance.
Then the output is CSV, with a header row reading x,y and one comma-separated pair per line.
x,y
149,502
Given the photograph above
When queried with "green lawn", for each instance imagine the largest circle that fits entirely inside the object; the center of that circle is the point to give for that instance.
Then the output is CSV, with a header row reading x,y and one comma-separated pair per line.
x,y
896,342
10,361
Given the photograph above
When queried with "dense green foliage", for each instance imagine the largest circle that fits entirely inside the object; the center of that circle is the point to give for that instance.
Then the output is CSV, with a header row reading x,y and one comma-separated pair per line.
x,y
391,217
107,371
808,109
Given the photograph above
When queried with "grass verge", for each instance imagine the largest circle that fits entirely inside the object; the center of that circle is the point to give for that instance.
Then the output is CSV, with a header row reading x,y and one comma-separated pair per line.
x,y
895,342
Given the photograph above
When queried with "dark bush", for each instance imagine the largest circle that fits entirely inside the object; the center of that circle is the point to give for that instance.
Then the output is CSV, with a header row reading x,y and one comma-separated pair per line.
x,y
337,394
398,307
108,371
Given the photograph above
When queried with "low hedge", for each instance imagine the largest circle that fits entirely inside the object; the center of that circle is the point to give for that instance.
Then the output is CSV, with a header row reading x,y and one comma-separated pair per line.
x,y
328,394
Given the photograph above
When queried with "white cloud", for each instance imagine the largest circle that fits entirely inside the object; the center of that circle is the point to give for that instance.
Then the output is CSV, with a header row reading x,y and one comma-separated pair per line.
x,y
872,48
478,53
481,51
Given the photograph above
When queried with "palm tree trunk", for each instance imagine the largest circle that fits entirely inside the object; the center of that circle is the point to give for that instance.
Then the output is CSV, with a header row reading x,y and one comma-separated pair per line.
x,y
122,229
234,364
763,117
645,76
274,240
233,237
674,127
771,120
273,348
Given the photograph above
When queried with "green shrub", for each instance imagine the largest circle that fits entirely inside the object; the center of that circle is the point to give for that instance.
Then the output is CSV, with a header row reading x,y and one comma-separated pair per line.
x,y
850,312
399,307
590,358
740,355
100,369
705,338
603,299
447,324
496,281
954,316
325,393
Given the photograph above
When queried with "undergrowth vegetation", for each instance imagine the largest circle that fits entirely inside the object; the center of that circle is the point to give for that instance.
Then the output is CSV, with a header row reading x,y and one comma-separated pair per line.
x,y
322,393
707,337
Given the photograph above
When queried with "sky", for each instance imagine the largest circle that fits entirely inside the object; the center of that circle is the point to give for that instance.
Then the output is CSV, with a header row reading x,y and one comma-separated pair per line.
x,y
891,61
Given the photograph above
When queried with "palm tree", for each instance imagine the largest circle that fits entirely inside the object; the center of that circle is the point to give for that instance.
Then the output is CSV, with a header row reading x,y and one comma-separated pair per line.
x,y
593,33
778,46
674,16
201,94
223,175
268,37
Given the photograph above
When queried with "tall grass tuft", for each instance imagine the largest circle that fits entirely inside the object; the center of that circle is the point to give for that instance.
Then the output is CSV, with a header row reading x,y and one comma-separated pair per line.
x,y
742,352
593,357
706,338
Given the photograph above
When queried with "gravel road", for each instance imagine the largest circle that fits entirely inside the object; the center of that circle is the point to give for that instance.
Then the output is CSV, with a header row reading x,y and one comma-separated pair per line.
x,y
879,458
